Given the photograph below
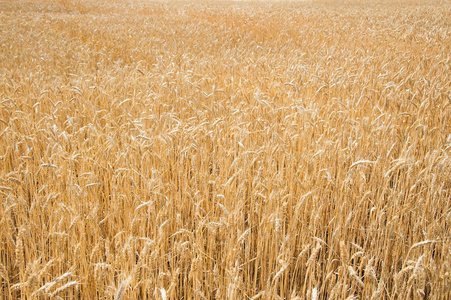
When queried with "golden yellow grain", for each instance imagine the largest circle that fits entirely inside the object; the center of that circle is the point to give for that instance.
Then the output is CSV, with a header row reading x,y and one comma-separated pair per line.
x,y
200,148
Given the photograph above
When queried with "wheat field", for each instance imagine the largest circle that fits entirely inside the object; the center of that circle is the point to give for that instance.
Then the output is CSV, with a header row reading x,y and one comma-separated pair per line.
x,y
225,150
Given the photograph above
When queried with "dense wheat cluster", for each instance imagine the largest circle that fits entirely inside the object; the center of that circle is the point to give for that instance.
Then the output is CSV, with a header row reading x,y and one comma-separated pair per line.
x,y
225,150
